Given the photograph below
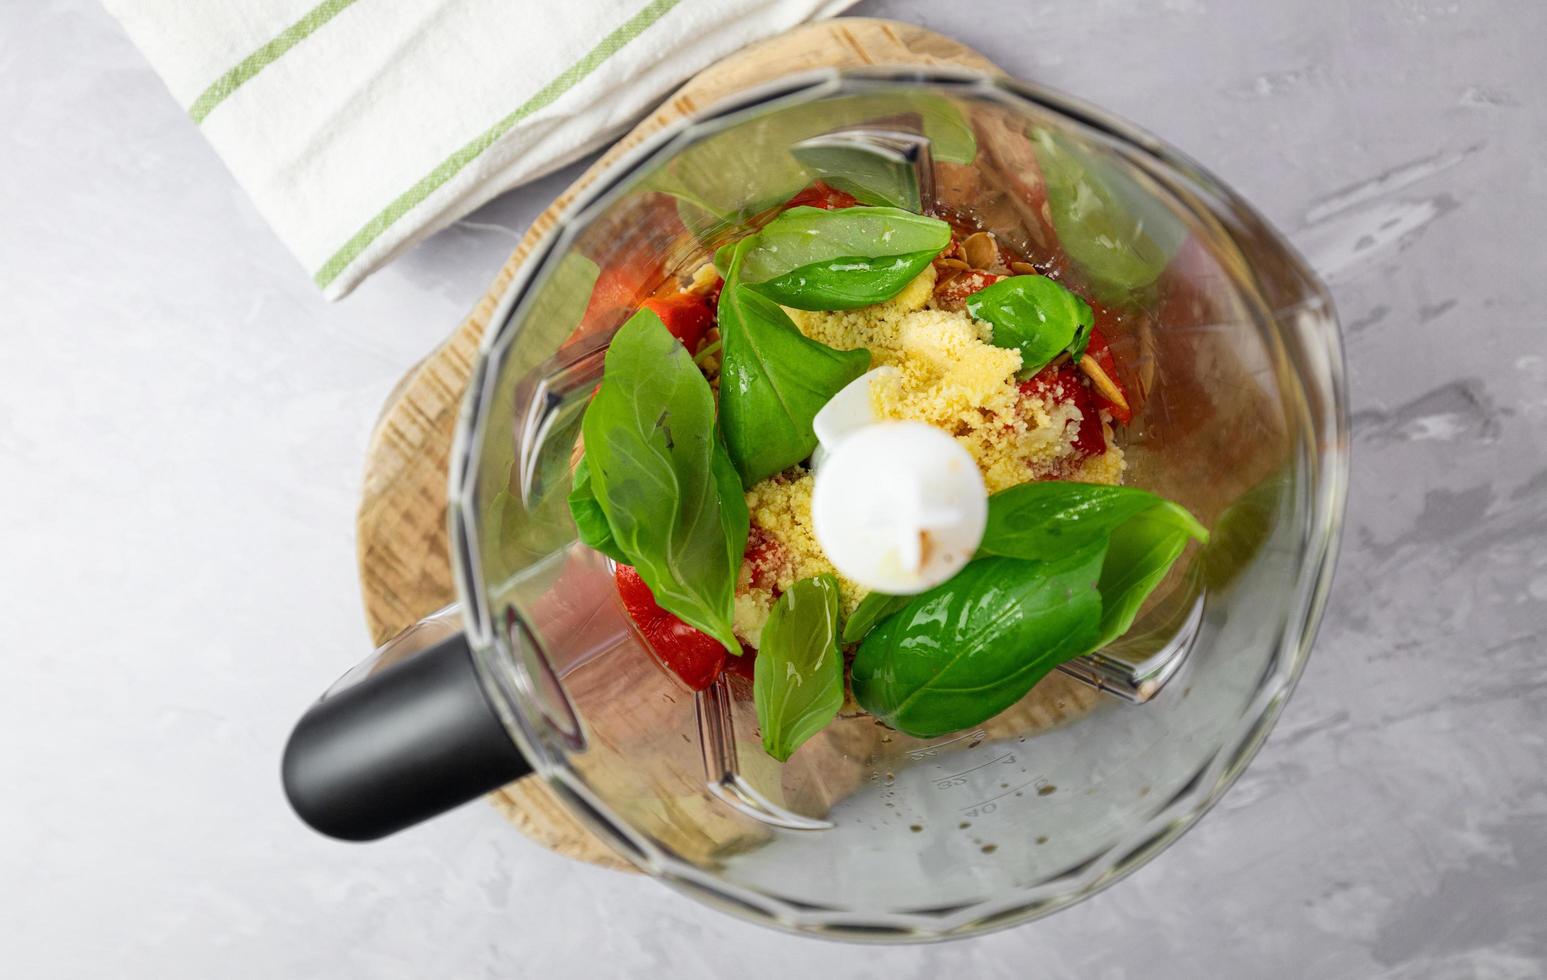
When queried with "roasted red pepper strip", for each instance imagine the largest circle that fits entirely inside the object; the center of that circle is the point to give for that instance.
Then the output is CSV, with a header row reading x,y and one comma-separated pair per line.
x,y
820,195
688,316
696,658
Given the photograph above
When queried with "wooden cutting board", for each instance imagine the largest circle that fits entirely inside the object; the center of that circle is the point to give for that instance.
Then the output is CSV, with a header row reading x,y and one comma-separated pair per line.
x,y
405,569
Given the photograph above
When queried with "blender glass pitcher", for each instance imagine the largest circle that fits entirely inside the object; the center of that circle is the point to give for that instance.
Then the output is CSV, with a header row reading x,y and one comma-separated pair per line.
x,y
1231,348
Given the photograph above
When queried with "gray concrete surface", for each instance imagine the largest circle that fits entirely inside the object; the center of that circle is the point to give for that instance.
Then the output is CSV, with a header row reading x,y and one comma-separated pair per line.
x,y
181,427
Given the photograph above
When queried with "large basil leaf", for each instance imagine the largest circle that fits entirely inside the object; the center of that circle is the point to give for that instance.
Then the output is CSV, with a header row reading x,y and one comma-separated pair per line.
x,y
875,607
1047,520
797,681
813,259
773,380
651,452
735,521
967,649
590,520
1119,233
1035,315
1141,551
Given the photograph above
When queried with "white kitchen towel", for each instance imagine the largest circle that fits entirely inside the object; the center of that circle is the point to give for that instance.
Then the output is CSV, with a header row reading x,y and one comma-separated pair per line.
x,y
358,127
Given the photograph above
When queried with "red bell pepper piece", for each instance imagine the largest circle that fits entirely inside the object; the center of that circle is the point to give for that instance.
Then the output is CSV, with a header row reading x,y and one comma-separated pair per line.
x,y
695,657
688,316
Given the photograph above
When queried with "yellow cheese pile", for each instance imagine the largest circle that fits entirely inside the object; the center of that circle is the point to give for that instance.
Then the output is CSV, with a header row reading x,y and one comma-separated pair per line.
x,y
951,377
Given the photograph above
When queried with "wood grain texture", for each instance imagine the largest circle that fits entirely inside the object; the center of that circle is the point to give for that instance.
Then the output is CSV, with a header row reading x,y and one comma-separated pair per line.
x,y
403,551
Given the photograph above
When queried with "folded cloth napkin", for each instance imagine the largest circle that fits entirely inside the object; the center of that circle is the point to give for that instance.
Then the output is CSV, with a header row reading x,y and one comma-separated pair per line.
x,y
359,128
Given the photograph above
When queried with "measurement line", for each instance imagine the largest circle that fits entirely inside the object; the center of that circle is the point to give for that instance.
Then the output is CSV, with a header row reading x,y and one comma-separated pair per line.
x,y
1012,789
1007,755
927,751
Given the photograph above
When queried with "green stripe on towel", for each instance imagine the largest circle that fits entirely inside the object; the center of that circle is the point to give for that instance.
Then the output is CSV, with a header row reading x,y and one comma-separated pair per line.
x,y
448,168
264,56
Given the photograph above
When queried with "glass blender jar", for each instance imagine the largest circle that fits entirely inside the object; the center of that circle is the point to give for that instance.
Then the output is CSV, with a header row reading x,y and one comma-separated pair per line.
x,y
1231,347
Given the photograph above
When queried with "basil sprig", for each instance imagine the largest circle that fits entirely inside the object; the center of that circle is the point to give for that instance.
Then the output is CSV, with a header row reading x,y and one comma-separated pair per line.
x,y
969,648
815,259
773,379
1035,315
1048,519
661,477
1063,570
797,683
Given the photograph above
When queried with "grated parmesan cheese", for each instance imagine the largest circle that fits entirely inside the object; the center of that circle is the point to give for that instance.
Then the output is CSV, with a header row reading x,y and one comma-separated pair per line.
x,y
950,376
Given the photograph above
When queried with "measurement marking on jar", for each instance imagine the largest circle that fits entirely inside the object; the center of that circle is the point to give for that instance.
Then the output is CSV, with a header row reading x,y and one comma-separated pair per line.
x,y
960,778
933,750
989,806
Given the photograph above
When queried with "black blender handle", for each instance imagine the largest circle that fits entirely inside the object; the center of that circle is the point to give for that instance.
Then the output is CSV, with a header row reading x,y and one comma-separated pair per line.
x,y
399,747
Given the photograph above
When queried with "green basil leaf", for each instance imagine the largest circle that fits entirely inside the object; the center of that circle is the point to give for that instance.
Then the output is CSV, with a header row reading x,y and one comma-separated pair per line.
x,y
967,649
845,283
1120,234
797,681
773,380
735,521
1044,521
1034,315
812,259
1141,551
875,607
590,520
653,459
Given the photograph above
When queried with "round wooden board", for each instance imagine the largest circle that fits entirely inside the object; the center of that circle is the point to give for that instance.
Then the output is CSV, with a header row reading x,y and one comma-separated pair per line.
x,y
405,569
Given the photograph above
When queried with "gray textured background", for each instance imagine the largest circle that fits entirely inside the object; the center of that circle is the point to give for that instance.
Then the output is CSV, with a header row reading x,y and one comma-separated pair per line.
x,y
181,428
